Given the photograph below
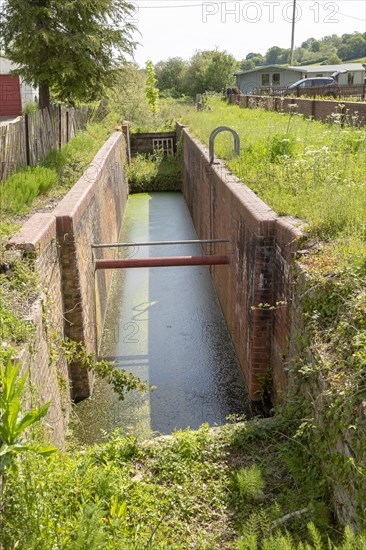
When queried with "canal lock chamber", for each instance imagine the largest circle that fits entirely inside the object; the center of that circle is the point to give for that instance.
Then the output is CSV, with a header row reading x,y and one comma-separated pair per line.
x,y
165,325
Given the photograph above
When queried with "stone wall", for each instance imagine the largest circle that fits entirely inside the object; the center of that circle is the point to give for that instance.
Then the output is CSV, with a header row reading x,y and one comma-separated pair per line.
x,y
254,291
353,112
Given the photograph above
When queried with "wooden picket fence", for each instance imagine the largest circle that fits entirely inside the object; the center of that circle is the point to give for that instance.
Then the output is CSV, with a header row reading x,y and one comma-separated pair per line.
x,y
27,141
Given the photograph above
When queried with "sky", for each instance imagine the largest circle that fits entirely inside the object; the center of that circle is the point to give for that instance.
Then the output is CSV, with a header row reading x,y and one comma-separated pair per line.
x,y
171,28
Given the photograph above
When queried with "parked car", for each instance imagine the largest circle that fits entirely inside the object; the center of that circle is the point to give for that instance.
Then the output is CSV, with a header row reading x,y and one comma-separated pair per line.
x,y
321,85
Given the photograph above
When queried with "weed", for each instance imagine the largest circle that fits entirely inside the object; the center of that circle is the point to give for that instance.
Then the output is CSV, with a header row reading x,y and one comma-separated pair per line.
x,y
249,483
155,173
20,189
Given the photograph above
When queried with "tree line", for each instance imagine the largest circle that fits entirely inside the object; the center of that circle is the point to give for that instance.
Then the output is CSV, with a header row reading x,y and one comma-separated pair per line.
x,y
76,52
212,70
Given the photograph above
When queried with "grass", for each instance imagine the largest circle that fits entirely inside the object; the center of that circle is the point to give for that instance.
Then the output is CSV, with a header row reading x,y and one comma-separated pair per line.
x,y
300,167
180,492
154,173
35,186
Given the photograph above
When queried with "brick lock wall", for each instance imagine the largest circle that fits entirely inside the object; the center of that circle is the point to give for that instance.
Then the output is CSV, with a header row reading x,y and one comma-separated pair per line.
x,y
90,213
75,298
262,248
38,238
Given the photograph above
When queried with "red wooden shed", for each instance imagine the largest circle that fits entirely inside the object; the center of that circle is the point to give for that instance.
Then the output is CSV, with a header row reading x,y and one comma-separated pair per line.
x,y
10,98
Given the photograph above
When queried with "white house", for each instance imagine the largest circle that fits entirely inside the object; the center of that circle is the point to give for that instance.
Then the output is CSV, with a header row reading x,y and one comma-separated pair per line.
x,y
280,75
15,93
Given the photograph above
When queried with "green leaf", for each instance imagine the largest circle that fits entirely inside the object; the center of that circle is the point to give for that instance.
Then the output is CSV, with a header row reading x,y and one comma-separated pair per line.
x,y
31,417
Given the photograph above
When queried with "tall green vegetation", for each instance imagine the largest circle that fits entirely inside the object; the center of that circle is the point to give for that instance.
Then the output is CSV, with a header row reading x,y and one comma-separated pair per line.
x,y
206,71
13,420
69,49
245,486
151,90
170,75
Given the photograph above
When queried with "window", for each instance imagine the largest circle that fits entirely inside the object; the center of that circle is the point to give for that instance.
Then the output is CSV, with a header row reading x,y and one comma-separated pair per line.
x,y
319,74
276,78
350,78
265,79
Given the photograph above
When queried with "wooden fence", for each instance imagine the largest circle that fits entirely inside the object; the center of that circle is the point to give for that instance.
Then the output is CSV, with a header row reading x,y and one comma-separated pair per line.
x,y
27,141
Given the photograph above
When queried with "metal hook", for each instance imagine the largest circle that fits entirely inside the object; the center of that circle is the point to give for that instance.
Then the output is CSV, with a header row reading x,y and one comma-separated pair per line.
x,y
215,133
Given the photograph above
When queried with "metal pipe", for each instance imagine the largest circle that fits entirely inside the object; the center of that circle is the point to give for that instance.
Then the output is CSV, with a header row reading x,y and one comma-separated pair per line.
x,y
167,261
159,243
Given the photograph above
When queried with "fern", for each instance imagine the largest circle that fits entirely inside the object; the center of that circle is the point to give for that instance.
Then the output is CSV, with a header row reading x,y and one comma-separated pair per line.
x,y
249,483
315,537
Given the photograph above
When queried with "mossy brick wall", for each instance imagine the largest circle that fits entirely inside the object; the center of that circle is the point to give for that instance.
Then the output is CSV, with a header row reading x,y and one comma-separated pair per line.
x,y
90,213
262,248
37,239
319,109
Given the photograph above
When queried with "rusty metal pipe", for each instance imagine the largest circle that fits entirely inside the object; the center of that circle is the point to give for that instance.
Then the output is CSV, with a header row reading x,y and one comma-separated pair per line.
x,y
166,261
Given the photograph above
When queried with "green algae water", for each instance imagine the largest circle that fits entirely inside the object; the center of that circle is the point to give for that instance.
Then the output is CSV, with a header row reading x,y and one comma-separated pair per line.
x,y
164,325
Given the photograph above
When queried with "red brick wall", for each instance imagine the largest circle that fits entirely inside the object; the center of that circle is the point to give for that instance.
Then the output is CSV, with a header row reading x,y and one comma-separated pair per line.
x,y
262,247
90,213
75,298
320,109
38,238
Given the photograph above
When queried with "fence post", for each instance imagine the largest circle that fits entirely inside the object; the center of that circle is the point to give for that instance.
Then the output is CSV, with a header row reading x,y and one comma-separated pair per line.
x,y
59,126
26,129
67,126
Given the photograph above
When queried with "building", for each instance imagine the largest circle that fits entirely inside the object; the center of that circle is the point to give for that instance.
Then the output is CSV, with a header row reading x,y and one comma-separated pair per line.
x,y
281,76
15,93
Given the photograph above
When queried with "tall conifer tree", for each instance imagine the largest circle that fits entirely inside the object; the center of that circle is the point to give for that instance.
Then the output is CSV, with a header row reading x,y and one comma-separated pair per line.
x,y
70,48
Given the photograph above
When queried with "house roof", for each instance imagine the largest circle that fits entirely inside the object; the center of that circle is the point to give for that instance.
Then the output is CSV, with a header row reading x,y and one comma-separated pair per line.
x,y
331,68
308,68
285,67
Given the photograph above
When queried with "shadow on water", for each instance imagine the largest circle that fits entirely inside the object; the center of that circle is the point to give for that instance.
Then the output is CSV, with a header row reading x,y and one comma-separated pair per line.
x,y
166,326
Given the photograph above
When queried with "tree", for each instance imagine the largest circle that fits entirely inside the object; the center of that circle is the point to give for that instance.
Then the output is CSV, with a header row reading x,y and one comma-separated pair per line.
x,y
67,48
127,96
210,71
170,75
256,58
354,45
276,55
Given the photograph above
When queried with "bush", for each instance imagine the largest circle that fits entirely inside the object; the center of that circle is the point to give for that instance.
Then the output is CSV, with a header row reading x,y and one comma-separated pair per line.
x,y
20,189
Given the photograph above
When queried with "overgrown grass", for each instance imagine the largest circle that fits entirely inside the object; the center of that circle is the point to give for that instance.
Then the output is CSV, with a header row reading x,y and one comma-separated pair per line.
x,y
300,167
31,187
181,493
154,173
